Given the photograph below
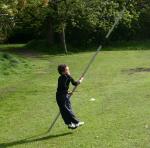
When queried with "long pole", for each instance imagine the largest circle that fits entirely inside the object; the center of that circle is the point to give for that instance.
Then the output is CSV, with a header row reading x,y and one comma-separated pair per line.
x,y
94,56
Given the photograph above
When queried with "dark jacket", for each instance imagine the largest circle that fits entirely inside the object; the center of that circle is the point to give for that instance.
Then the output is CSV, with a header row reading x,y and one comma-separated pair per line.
x,y
63,83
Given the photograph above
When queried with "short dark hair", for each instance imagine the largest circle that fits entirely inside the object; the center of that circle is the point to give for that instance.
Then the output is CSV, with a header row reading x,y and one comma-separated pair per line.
x,y
61,68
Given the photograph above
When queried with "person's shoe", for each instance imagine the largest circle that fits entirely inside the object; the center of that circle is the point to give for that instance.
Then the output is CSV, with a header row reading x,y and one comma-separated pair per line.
x,y
72,126
79,123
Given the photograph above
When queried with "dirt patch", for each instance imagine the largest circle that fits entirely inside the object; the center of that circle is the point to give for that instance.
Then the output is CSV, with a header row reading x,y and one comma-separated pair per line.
x,y
136,70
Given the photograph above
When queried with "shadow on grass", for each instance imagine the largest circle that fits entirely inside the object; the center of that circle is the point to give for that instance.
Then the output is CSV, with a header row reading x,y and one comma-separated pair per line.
x,y
30,140
38,48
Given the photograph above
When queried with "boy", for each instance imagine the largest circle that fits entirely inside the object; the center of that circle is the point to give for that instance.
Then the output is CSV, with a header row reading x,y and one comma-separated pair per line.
x,y
63,96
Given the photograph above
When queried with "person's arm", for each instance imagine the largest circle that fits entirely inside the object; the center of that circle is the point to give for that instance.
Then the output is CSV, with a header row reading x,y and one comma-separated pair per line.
x,y
75,83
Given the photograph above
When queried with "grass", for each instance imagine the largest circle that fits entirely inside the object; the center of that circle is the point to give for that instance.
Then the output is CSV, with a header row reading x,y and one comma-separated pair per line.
x,y
118,118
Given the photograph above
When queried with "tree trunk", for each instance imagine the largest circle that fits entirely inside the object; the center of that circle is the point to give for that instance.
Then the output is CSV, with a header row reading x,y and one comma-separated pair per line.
x,y
63,39
50,33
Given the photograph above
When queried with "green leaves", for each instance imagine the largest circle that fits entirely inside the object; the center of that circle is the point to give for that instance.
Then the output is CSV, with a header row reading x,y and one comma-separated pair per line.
x,y
89,16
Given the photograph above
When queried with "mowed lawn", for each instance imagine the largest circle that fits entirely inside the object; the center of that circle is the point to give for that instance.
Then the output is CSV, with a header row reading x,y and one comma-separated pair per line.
x,y
118,80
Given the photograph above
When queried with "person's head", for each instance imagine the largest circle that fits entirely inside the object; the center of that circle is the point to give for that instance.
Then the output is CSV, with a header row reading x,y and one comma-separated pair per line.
x,y
63,69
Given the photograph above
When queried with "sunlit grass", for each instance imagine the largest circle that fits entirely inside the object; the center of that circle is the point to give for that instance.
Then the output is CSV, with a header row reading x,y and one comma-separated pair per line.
x,y
118,118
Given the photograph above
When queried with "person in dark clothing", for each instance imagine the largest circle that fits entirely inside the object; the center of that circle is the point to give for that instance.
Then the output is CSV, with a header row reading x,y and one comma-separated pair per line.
x,y
63,96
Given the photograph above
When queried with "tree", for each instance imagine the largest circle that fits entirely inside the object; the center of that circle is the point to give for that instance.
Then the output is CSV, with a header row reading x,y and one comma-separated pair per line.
x,y
94,18
58,19
8,11
83,21
143,6
29,19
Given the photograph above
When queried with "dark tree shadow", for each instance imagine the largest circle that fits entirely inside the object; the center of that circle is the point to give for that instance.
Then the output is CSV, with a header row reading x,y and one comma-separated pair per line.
x,y
30,140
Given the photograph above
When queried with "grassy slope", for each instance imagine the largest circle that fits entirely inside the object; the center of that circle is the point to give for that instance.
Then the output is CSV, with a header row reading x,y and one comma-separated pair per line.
x,y
119,118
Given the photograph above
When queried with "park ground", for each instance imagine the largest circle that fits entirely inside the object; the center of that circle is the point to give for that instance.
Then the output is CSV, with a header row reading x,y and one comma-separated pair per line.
x,y
118,80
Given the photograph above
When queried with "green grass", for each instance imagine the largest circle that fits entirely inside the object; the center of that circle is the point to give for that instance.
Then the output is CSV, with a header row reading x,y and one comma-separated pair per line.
x,y
118,118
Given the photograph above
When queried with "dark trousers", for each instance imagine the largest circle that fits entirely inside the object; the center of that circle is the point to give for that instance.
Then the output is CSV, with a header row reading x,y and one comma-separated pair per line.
x,y
65,108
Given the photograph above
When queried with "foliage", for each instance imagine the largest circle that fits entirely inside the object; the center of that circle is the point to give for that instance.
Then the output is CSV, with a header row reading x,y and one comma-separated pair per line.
x,y
7,22
83,20
144,20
